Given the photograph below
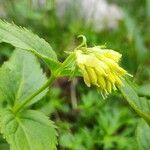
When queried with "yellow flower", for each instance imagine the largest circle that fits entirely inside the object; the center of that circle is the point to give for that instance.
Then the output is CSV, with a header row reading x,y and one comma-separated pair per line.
x,y
100,67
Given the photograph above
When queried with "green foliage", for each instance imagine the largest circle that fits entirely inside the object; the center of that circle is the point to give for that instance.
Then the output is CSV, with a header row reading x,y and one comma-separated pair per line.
x,y
19,78
107,124
141,106
134,35
144,90
28,130
103,125
3,144
95,124
51,102
143,135
24,39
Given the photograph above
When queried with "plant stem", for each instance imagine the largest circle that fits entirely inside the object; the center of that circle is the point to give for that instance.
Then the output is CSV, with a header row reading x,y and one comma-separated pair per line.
x,y
73,94
28,99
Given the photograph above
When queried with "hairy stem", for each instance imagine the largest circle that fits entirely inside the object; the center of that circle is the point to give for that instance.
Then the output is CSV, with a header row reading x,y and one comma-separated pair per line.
x,y
28,99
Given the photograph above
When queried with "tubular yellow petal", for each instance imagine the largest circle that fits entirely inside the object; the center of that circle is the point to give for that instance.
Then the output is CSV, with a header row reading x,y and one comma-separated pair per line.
x,y
118,81
112,55
103,94
85,76
109,86
103,68
92,75
111,77
101,82
110,62
121,71
91,61
114,87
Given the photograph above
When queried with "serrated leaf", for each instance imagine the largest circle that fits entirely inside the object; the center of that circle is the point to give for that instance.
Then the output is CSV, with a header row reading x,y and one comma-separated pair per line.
x,y
25,39
28,130
20,77
140,105
143,135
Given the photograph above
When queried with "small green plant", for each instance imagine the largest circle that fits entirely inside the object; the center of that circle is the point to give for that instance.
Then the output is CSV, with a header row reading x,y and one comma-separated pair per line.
x,y
23,83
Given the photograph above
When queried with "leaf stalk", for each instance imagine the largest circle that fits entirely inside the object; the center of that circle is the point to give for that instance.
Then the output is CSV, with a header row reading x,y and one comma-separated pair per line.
x,y
21,105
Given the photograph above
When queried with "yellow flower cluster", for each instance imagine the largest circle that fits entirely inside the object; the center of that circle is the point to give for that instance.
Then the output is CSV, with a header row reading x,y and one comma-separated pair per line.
x,y
100,67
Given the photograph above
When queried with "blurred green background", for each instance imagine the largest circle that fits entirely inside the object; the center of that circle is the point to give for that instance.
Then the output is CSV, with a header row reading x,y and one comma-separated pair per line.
x,y
85,121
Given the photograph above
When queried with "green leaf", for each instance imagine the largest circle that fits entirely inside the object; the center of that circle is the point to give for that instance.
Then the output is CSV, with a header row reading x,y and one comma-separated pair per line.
x,y
24,39
140,105
143,135
3,144
20,77
28,130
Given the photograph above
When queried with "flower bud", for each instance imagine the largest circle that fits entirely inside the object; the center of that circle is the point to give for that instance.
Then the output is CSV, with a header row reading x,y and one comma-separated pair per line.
x,y
100,67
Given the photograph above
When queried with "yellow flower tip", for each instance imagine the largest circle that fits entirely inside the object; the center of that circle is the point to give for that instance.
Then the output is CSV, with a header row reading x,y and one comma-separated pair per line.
x,y
130,75
112,55
99,67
